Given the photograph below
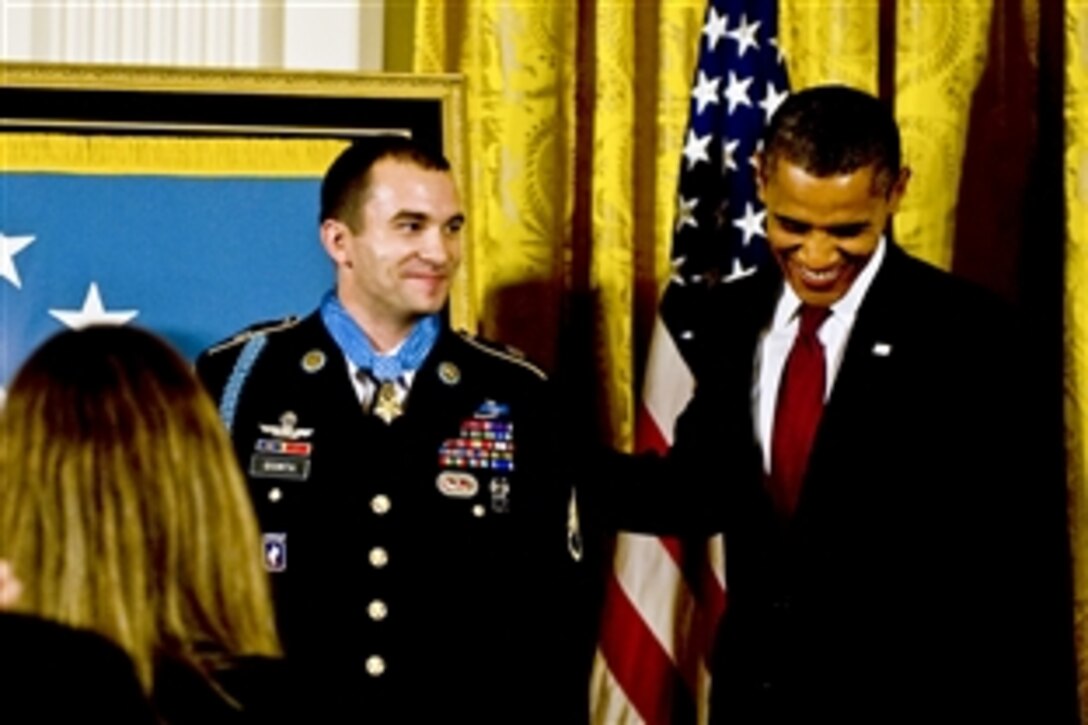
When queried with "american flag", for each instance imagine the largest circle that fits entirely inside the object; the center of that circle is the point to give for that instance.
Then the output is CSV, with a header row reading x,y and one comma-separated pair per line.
x,y
665,596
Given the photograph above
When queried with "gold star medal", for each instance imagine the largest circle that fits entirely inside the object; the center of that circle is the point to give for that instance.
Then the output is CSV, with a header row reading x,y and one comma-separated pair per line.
x,y
387,406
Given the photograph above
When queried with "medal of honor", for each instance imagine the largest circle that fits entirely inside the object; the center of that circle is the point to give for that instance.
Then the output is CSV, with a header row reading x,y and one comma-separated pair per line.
x,y
387,405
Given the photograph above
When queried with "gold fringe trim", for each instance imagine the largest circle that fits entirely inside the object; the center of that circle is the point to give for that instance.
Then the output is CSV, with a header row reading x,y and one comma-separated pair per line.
x,y
170,156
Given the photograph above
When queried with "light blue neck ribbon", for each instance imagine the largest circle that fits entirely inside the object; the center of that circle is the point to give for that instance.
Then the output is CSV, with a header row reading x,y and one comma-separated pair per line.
x,y
357,346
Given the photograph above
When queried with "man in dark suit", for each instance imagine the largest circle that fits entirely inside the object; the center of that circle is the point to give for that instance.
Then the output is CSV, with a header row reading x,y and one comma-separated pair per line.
x,y
400,471
862,431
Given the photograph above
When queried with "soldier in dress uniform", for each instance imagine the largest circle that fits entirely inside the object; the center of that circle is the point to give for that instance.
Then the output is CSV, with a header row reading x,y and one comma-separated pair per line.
x,y
420,546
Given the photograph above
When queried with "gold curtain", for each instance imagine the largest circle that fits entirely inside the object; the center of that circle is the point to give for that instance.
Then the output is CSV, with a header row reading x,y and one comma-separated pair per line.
x,y
575,115
573,141
1076,310
830,41
940,54
520,124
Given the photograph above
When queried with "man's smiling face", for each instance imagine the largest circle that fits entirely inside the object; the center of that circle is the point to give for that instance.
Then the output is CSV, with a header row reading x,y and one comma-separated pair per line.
x,y
823,230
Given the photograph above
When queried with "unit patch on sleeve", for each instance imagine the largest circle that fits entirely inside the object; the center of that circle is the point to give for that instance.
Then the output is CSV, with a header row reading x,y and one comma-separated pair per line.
x,y
275,551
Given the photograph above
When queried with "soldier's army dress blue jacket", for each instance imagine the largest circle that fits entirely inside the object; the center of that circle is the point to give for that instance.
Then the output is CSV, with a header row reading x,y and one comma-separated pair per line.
x,y
420,567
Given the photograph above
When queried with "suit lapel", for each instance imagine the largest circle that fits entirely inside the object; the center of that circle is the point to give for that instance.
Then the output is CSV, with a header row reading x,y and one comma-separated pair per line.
x,y
867,368
876,333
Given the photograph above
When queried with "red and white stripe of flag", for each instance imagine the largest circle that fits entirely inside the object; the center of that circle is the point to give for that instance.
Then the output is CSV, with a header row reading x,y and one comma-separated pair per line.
x,y
652,661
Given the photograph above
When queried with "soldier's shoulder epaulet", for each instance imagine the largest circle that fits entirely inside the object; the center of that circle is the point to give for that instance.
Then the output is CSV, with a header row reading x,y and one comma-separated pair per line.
x,y
504,352
261,328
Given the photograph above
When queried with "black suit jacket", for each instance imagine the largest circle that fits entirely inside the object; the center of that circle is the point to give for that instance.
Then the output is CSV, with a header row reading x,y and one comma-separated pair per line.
x,y
51,673
921,578
399,546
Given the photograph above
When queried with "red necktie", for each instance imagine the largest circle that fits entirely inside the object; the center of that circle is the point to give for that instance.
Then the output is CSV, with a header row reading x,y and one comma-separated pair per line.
x,y
797,412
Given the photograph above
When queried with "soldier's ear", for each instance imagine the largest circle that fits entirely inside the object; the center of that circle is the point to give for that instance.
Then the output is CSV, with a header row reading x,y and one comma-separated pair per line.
x,y
336,239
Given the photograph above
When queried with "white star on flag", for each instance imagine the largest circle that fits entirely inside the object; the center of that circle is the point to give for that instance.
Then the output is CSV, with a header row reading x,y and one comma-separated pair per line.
x,y
753,160
696,149
93,312
737,92
685,213
677,264
739,271
751,223
729,163
705,91
9,247
774,44
714,30
772,101
745,35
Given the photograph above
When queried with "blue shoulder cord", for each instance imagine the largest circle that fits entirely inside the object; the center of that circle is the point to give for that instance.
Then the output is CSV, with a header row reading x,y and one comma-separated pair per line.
x,y
228,404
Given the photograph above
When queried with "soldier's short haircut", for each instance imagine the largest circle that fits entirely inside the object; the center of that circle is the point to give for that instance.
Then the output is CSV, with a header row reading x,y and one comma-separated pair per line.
x,y
347,181
831,130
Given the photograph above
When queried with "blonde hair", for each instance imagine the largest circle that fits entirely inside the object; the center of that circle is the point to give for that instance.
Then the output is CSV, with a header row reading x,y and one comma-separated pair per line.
x,y
122,508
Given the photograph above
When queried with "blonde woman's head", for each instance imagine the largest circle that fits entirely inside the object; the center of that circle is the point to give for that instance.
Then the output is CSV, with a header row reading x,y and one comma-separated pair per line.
x,y
122,509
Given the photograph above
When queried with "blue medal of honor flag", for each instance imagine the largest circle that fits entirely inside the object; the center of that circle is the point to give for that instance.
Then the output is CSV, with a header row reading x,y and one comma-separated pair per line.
x,y
191,258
